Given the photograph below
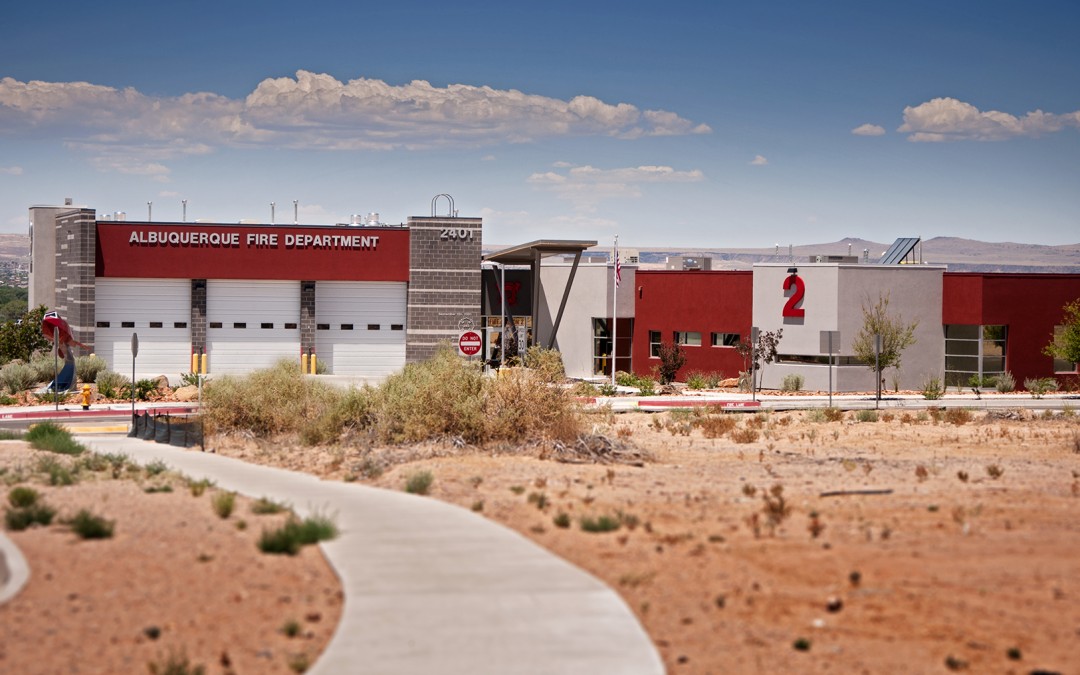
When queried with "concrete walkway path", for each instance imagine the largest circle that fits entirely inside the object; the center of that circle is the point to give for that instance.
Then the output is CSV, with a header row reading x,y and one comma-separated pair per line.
x,y
434,588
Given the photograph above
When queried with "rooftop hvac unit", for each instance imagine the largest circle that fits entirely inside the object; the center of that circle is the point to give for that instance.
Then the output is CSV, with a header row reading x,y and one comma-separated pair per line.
x,y
373,218
356,219
120,215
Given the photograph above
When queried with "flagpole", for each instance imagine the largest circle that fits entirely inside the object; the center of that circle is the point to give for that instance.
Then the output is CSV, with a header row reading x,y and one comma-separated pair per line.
x,y
615,311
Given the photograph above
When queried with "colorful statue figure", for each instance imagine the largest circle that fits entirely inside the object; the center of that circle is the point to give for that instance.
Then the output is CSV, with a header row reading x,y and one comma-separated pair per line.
x,y
56,330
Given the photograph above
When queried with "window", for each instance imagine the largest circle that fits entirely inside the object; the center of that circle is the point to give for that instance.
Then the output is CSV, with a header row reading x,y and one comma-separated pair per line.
x,y
102,324
1060,365
215,324
688,338
239,324
179,324
397,326
322,326
155,324
265,326
654,344
127,324
346,326
972,350
290,326
725,339
373,326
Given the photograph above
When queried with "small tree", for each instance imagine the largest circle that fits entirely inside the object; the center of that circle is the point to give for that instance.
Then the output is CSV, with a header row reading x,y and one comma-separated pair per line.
x,y
896,336
20,339
672,357
757,354
1065,345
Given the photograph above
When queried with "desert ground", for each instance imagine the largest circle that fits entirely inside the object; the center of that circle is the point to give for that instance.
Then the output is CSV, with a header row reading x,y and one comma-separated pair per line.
x,y
920,542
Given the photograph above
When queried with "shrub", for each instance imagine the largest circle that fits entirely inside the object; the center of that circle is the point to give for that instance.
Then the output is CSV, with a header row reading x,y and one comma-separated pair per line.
x,y
715,426
189,379
54,438
600,524
931,389
1038,386
265,402
672,358
294,534
156,467
90,526
45,366
197,487
20,518
547,364
606,389
143,389
263,506
17,377
866,416
646,387
111,384
743,436
793,382
223,503
22,496
696,380
59,474
834,414
625,379
419,483
957,416
87,367
520,406
561,520
1005,383
175,664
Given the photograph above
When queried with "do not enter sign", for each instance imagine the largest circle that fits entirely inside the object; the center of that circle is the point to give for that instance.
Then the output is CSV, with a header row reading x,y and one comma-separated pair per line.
x,y
469,343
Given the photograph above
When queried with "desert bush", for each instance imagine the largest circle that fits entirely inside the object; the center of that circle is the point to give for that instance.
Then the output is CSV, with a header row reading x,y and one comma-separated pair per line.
x,y
793,382
223,504
143,388
265,402
600,524
744,435
59,473
696,379
45,366
87,367
815,415
353,410
606,389
931,388
53,438
866,416
111,384
672,358
584,389
17,377
21,518
547,364
175,664
419,483
646,387
1038,386
715,426
22,496
1005,383
198,487
294,534
625,379
957,416
521,406
834,414
264,506
561,520
90,526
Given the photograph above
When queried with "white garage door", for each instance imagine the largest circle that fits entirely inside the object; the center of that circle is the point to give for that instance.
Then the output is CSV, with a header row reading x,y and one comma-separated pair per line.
x,y
360,327
159,311
251,324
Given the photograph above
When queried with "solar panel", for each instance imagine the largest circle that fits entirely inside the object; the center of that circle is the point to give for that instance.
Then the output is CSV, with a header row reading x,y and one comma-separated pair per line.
x,y
899,250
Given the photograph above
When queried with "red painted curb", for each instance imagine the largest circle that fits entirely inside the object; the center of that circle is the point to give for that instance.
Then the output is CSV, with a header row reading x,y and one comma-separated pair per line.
x,y
54,414
665,403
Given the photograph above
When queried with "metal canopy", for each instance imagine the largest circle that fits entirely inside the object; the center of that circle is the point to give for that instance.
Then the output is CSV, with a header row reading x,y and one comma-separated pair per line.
x,y
530,254
899,250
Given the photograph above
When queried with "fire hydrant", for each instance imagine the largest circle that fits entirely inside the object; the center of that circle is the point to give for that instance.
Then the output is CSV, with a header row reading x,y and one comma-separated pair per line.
x,y
85,397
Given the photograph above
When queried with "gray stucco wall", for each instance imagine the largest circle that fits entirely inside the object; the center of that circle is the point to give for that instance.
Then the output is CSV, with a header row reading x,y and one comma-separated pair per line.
x,y
590,297
835,295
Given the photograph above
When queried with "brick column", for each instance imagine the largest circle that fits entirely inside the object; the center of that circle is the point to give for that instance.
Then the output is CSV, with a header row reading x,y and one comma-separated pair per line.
x,y
198,316
76,251
444,281
307,317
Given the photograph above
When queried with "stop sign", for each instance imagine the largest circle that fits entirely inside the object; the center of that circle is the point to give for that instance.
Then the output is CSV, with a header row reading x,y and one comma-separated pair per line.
x,y
469,343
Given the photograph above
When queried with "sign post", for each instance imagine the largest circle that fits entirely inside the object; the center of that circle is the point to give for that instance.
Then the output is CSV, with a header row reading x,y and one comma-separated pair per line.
x,y
753,357
877,371
134,353
829,339
469,343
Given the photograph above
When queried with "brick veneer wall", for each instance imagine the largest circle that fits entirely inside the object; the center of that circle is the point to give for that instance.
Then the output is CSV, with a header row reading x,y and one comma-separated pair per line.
x,y
444,282
76,245
307,317
198,316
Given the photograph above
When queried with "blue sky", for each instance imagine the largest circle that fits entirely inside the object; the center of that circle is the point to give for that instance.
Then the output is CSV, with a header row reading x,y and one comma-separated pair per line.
x,y
692,124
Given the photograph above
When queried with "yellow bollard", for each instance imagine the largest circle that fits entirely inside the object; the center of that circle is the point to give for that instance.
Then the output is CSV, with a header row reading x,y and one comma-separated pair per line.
x,y
313,363
303,363
202,364
194,362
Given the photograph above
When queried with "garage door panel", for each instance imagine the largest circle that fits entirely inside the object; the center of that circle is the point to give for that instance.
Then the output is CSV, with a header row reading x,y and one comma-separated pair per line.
x,y
158,311
375,345
251,324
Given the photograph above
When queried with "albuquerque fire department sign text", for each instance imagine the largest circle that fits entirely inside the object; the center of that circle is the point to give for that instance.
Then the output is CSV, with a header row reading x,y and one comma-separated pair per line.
x,y
257,240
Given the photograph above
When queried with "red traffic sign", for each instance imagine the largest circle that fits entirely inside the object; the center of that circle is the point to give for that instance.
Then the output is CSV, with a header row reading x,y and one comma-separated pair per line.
x,y
469,343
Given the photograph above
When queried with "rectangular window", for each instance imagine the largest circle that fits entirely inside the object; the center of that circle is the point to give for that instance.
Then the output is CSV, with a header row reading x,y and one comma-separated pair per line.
x,y
179,324
266,326
239,324
290,326
127,324
1061,365
397,326
346,326
215,324
155,324
973,351
725,339
102,324
373,326
688,338
654,344
322,326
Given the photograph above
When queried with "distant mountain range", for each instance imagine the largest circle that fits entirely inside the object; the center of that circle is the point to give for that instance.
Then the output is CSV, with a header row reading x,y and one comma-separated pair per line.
x,y
960,255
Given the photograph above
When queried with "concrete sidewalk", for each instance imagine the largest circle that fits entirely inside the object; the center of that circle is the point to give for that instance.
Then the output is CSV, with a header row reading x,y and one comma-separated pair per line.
x,y
433,588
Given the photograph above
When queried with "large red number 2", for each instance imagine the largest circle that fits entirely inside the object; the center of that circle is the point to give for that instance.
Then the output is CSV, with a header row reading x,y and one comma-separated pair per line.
x,y
796,297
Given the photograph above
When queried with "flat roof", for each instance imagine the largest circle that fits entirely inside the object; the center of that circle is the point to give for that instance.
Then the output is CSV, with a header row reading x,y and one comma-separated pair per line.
x,y
524,254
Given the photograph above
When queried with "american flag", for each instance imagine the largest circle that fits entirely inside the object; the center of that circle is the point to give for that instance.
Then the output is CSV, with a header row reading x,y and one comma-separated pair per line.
x,y
618,265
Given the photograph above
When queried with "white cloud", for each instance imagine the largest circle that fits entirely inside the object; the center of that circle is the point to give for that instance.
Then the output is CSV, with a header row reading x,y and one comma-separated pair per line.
x,y
586,186
11,170
487,158
310,111
759,160
947,119
868,130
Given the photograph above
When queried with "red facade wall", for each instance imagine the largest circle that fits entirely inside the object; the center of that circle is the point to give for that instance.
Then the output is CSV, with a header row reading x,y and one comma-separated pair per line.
x,y
705,302
1029,304
198,251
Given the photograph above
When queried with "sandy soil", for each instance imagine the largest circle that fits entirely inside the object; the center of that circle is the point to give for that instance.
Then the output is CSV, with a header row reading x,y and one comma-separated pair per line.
x,y
963,552
174,581
950,569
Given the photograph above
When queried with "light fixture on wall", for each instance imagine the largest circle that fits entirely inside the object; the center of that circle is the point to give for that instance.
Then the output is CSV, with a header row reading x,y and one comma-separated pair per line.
x,y
793,270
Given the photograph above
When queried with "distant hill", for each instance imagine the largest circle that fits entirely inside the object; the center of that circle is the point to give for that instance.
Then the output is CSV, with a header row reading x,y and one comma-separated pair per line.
x,y
14,247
